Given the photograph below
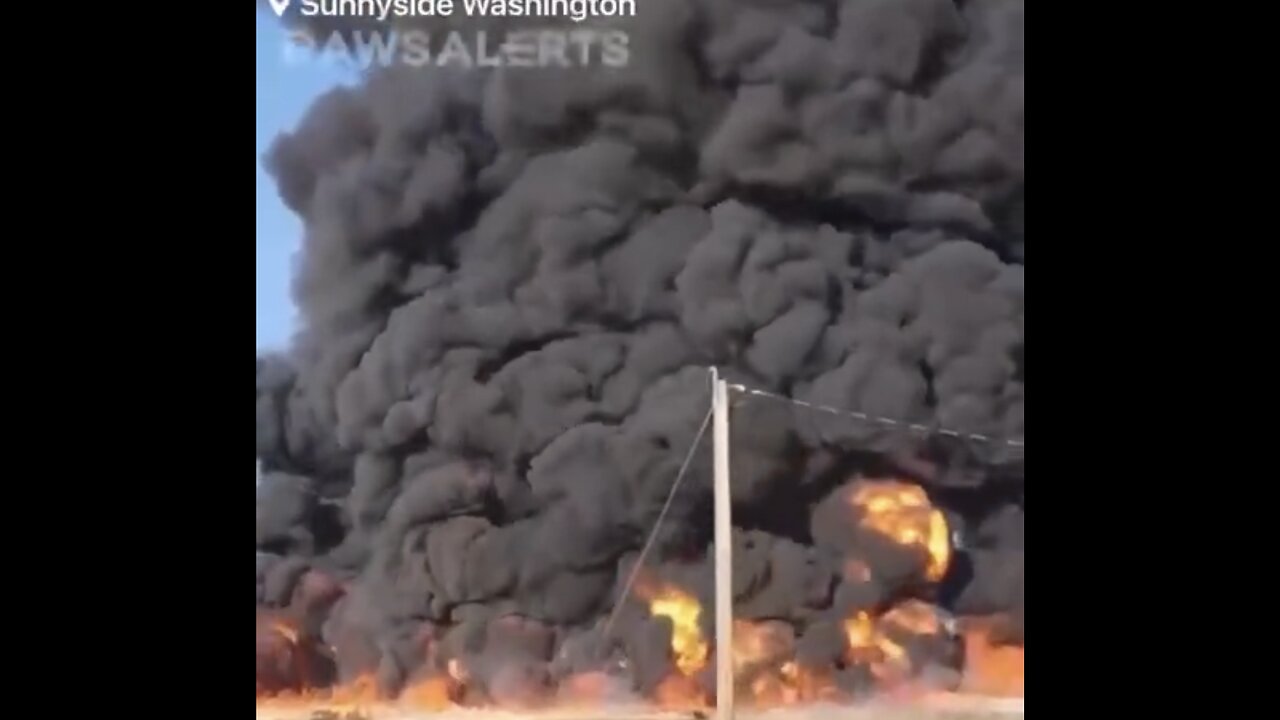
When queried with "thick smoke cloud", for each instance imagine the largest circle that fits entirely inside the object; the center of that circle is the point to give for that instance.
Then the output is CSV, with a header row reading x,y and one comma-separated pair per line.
x,y
512,282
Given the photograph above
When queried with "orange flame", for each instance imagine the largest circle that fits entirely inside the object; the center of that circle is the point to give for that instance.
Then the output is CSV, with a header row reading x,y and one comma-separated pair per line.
x,y
860,637
754,645
870,642
773,685
432,694
990,669
585,688
760,663
915,617
359,693
902,513
680,693
363,690
763,659
683,610
770,690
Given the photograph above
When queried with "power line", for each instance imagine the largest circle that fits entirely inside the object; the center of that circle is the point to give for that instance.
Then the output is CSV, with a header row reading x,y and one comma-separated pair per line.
x,y
878,419
702,430
657,525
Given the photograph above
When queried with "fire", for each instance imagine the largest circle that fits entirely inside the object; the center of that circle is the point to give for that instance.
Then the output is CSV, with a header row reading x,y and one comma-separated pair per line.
x,y
288,660
902,512
759,663
363,690
872,641
766,673
990,669
760,656
889,644
433,694
360,692
679,692
915,617
753,645
585,689
860,636
770,690
687,642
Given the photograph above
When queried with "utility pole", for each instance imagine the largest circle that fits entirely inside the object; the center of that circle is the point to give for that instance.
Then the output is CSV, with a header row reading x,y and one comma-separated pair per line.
x,y
723,548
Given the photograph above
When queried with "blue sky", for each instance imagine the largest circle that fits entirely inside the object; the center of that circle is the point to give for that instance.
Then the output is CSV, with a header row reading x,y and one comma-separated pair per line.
x,y
284,92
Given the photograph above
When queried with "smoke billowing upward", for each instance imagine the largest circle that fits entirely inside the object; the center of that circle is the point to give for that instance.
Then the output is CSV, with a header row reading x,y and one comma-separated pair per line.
x,y
511,284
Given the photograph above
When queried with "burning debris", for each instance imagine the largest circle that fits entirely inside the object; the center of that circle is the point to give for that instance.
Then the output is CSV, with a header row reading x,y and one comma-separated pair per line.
x,y
511,283
887,643
689,648
903,514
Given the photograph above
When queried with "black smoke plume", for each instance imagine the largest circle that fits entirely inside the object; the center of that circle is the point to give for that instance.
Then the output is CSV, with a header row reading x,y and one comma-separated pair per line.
x,y
512,283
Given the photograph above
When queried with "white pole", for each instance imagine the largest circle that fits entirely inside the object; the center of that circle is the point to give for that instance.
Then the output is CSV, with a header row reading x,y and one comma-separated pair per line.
x,y
723,549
